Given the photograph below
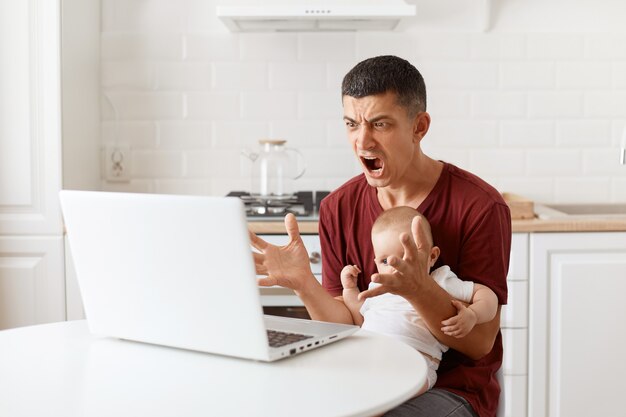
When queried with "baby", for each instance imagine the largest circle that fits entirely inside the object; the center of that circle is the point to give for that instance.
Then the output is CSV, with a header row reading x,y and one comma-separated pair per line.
x,y
393,315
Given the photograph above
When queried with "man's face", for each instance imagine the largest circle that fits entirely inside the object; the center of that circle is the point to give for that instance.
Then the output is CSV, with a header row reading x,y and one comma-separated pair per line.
x,y
382,136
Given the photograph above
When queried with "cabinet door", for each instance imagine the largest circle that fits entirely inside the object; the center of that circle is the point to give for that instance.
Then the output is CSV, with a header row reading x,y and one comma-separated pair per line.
x,y
577,335
30,115
32,288
514,324
31,229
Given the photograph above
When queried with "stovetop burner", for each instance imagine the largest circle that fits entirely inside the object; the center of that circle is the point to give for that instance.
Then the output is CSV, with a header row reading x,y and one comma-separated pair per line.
x,y
301,204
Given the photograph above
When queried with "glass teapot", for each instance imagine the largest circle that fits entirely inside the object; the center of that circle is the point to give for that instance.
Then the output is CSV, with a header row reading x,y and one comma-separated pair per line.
x,y
274,167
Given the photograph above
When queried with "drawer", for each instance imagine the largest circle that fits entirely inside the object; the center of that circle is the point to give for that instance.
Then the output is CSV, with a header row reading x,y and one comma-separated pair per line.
x,y
515,391
279,297
515,313
515,344
312,244
518,265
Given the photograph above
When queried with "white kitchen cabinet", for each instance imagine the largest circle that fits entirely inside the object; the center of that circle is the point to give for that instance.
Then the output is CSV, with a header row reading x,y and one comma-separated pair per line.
x,y
32,289
31,243
514,327
515,391
577,335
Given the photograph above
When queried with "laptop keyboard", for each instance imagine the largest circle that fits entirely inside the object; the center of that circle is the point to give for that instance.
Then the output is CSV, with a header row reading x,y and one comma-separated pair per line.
x,y
278,339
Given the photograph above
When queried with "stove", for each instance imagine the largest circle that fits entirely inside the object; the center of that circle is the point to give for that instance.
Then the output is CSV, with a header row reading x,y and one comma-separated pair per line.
x,y
303,204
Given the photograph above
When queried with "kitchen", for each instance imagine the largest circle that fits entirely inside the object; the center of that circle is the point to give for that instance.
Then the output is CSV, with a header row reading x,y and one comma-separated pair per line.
x,y
529,95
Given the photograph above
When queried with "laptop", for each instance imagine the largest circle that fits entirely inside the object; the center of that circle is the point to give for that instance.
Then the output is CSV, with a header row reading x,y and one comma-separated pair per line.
x,y
178,271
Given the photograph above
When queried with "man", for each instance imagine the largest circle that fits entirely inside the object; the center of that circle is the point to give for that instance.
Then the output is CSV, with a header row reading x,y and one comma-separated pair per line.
x,y
384,101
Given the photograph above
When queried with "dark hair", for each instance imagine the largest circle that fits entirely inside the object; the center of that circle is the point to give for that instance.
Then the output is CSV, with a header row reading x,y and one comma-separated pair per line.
x,y
387,73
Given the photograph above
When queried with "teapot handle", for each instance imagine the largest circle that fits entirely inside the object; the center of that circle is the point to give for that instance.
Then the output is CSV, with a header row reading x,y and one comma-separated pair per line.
x,y
297,152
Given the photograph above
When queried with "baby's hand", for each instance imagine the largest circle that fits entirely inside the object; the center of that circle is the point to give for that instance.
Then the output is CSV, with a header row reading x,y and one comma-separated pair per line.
x,y
460,325
348,276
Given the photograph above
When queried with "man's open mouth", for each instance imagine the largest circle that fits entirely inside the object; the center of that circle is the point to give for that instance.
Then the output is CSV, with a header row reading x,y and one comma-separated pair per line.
x,y
374,165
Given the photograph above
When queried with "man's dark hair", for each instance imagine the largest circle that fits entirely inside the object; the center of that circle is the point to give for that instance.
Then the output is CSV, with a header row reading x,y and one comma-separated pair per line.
x,y
387,73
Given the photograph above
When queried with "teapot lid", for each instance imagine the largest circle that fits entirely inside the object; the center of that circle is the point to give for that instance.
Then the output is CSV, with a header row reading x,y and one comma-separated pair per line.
x,y
272,141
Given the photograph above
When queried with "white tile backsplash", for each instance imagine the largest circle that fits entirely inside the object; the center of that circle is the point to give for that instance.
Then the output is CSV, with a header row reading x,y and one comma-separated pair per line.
x,y
319,105
618,132
383,43
185,187
611,104
127,75
540,114
449,104
269,47
213,106
591,189
524,134
583,133
459,75
154,106
324,47
467,134
141,46
583,75
269,106
443,47
157,164
498,48
196,164
143,16
298,76
499,105
139,135
555,46
234,135
183,135
497,162
608,47
210,48
301,133
535,188
238,76
618,188
555,105
597,162
527,76
177,76
619,75
557,162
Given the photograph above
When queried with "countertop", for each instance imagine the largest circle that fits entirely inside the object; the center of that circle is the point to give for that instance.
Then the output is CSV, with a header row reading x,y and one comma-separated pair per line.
x,y
573,224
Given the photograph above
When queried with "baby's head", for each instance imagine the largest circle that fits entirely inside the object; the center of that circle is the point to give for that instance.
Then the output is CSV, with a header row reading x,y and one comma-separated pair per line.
x,y
386,236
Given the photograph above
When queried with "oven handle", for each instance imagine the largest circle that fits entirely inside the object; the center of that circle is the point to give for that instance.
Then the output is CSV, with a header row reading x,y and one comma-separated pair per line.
x,y
315,257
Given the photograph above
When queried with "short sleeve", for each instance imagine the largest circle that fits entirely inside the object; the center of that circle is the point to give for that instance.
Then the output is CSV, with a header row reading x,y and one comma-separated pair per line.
x,y
457,288
486,250
331,260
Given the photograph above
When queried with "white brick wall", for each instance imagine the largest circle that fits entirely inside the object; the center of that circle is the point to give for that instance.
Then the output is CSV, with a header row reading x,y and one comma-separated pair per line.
x,y
536,113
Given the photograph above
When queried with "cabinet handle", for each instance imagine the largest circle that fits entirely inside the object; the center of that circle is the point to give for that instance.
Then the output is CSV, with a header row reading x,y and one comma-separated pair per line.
x,y
315,257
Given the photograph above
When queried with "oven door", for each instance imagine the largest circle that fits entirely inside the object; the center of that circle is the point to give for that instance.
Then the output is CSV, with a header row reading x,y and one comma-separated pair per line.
x,y
282,301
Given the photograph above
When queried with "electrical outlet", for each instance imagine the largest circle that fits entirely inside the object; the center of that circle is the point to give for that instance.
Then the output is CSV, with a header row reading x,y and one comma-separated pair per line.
x,y
116,163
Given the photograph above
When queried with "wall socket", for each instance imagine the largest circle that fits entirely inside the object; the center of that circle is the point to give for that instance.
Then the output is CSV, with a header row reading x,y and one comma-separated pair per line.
x,y
117,163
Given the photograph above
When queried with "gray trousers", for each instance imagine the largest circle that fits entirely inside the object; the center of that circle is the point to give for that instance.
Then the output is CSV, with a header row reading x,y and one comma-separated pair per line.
x,y
434,403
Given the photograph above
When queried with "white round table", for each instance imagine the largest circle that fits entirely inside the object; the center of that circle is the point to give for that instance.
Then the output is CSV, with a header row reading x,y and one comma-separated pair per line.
x,y
60,369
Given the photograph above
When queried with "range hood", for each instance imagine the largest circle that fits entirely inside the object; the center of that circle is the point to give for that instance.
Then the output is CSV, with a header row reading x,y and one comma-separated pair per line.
x,y
313,15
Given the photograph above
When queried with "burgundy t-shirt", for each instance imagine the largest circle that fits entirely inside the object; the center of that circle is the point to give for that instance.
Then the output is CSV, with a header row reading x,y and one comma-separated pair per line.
x,y
471,224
